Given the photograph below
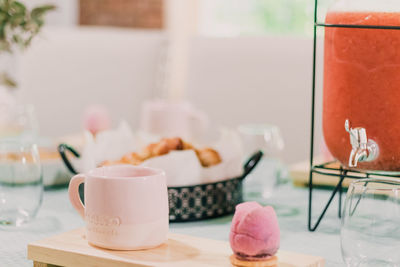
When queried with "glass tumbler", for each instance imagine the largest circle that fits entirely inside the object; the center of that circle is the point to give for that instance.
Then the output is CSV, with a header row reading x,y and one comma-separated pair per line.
x,y
370,232
267,138
18,122
21,185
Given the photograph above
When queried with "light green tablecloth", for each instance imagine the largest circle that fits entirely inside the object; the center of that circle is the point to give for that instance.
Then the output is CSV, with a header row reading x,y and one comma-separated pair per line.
x,y
57,215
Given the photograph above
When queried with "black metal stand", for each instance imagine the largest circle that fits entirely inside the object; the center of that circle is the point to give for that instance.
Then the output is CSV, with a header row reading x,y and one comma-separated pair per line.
x,y
336,170
337,189
333,168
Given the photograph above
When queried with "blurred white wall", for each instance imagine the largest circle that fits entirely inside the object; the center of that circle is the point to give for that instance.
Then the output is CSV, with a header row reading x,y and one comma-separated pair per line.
x,y
234,80
264,79
255,80
70,68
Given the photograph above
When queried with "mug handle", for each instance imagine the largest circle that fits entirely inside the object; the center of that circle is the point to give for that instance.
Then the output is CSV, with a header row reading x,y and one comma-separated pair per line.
x,y
73,192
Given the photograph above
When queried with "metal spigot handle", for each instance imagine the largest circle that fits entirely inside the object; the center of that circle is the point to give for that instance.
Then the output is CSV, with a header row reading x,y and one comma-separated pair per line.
x,y
363,150
347,125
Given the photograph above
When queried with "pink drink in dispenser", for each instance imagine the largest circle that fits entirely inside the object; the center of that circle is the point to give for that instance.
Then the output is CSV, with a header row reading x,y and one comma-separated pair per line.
x,y
362,86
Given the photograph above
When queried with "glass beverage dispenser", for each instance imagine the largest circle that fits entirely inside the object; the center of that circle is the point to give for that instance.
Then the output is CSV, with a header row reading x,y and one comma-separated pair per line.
x,y
361,83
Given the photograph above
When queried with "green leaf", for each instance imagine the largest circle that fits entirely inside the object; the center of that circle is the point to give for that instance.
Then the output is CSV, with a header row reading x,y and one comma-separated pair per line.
x,y
17,7
5,46
39,23
2,31
31,27
6,80
17,39
17,20
3,16
41,10
28,41
18,25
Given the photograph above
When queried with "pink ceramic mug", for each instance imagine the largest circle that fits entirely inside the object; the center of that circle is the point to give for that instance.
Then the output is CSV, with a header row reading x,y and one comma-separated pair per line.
x,y
126,207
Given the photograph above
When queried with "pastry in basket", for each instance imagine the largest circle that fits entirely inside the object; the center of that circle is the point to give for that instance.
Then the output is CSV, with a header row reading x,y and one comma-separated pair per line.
x,y
161,148
207,156
48,154
131,158
44,154
254,236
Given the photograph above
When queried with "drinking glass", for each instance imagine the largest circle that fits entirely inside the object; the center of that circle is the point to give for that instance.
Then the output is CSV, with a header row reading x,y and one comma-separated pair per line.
x,y
370,232
267,138
18,122
21,185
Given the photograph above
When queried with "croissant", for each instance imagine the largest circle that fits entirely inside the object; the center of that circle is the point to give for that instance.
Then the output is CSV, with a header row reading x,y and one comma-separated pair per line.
x,y
207,156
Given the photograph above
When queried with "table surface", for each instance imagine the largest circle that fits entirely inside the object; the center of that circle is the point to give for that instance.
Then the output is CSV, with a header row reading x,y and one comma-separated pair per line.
x,y
57,215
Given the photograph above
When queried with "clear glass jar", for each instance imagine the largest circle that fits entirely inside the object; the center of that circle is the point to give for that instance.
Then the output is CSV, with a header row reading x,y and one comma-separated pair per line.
x,y
21,185
370,233
261,182
18,122
361,83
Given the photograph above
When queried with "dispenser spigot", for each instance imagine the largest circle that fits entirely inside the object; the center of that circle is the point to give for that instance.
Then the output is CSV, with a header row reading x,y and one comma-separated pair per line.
x,y
363,150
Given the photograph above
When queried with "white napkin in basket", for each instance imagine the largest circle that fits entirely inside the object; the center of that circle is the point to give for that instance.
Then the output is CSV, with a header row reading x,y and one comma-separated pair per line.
x,y
182,168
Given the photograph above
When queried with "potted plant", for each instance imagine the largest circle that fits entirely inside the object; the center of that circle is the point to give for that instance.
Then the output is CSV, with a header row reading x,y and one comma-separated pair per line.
x,y
18,26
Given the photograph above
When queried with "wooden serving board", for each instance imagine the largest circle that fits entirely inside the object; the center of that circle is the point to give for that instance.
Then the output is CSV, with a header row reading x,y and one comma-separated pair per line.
x,y
72,249
300,175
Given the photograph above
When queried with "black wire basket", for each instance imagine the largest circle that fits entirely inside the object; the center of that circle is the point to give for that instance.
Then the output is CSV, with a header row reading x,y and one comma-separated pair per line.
x,y
195,202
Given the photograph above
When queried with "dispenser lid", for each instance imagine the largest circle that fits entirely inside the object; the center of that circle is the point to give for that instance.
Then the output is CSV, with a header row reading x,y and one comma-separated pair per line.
x,y
366,5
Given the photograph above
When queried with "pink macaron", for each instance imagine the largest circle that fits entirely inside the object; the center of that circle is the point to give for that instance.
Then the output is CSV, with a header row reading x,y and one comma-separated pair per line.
x,y
254,232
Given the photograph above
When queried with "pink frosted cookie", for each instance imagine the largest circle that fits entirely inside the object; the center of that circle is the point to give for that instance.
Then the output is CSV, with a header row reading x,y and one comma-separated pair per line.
x,y
254,235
